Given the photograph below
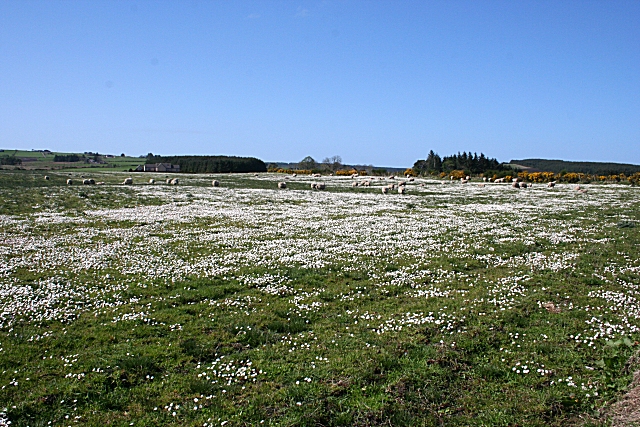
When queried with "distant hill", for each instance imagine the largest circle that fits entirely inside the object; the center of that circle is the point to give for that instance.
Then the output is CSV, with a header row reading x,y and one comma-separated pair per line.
x,y
53,160
593,168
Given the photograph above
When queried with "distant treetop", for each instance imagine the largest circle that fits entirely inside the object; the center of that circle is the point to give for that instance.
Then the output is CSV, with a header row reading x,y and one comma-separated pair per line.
x,y
469,162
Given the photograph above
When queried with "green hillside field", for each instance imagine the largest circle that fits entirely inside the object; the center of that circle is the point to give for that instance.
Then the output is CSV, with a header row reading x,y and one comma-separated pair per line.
x,y
41,160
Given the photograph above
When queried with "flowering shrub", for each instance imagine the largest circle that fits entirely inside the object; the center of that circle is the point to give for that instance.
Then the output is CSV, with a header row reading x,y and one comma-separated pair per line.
x,y
634,179
457,174
343,172
350,172
291,171
573,177
537,176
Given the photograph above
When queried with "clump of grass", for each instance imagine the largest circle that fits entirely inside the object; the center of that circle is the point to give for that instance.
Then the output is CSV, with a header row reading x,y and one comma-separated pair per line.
x,y
626,224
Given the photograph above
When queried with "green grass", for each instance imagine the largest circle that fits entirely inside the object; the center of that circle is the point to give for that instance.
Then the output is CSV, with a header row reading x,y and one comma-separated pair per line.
x,y
35,160
134,343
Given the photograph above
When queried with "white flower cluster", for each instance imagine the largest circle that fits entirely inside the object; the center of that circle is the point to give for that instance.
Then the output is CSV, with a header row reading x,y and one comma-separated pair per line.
x,y
228,372
272,284
297,342
528,366
4,422
445,322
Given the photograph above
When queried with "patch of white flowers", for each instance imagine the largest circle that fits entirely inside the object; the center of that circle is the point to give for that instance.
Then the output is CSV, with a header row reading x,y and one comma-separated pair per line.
x,y
229,371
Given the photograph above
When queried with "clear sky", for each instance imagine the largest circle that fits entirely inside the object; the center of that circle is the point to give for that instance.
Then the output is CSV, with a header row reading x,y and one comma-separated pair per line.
x,y
377,82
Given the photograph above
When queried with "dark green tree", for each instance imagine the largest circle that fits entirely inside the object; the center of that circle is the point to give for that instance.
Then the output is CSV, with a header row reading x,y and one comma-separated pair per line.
x,y
308,163
434,162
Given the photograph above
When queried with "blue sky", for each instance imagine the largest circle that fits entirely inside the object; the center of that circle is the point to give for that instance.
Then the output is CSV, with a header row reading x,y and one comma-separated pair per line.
x,y
376,82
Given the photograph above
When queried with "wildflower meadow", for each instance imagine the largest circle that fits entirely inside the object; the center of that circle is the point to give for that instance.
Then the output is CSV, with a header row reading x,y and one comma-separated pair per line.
x,y
244,304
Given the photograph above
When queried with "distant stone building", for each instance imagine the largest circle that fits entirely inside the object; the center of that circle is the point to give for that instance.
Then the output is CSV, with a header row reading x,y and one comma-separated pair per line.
x,y
158,167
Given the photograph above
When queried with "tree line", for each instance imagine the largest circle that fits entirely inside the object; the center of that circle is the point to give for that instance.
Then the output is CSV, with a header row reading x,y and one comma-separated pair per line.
x,y
332,164
211,164
591,168
471,163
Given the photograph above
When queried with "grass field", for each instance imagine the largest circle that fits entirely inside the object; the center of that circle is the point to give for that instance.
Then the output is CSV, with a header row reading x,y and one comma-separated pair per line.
x,y
38,160
245,305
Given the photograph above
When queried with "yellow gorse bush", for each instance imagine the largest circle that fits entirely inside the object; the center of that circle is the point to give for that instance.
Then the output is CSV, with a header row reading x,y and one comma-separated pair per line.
x,y
291,171
343,172
457,174
537,176
634,179
350,172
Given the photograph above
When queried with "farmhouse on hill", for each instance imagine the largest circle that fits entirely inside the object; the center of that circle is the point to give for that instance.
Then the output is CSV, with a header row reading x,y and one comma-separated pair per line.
x,y
158,167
